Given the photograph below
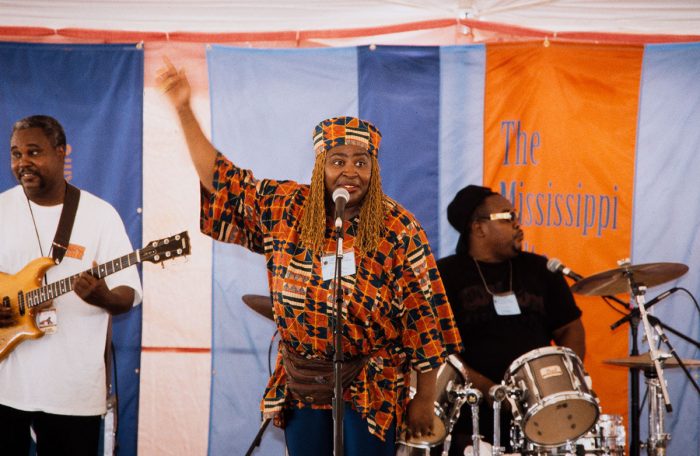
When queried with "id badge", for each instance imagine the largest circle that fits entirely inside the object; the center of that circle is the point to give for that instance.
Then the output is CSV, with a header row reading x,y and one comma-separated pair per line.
x,y
506,304
347,266
47,320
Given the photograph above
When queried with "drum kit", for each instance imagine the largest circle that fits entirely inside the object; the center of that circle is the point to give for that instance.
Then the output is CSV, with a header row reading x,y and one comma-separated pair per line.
x,y
555,410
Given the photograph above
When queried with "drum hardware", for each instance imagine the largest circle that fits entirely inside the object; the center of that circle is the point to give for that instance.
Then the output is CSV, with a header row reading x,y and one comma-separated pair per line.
x,y
473,398
638,290
656,443
497,393
635,279
517,439
606,438
658,438
458,396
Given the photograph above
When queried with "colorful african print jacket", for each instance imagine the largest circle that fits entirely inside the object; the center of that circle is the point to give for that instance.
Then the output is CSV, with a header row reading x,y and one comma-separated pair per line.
x,y
395,308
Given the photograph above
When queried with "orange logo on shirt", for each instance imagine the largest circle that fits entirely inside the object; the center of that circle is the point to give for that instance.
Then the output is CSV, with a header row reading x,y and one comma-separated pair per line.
x,y
75,251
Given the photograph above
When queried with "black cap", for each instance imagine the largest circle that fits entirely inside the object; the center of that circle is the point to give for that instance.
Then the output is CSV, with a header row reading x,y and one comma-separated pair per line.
x,y
465,202
461,210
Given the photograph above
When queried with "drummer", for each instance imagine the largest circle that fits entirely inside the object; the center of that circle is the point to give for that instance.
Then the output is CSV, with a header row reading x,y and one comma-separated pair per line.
x,y
504,300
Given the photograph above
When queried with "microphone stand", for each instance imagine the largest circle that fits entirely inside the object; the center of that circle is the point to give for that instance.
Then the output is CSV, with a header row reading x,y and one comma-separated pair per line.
x,y
258,437
338,343
655,321
634,391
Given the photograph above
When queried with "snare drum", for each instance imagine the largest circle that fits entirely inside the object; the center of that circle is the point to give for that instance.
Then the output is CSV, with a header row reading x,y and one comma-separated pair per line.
x,y
606,438
555,404
451,380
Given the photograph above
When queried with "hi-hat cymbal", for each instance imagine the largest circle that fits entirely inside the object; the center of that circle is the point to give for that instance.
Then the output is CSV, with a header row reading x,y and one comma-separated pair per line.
x,y
644,361
615,281
260,304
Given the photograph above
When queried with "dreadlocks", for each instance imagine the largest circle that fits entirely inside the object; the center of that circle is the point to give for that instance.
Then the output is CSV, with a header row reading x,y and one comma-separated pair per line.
x,y
372,212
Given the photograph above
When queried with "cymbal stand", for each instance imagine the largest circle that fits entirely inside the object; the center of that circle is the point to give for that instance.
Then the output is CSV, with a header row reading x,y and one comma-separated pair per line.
x,y
658,438
656,444
638,291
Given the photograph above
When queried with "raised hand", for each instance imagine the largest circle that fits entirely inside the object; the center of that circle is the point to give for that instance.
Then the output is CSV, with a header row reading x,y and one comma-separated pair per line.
x,y
174,84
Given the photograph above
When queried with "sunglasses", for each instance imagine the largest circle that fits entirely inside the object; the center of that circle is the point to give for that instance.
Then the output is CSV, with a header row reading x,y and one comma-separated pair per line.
x,y
510,216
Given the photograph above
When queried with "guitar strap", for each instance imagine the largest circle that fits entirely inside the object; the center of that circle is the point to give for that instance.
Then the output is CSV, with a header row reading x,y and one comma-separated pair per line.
x,y
65,223
60,246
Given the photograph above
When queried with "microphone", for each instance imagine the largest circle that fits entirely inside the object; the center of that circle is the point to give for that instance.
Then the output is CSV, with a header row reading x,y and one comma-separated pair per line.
x,y
340,198
635,312
555,265
663,295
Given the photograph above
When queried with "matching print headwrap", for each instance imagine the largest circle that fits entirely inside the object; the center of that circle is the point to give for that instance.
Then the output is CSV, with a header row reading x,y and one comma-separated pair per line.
x,y
339,131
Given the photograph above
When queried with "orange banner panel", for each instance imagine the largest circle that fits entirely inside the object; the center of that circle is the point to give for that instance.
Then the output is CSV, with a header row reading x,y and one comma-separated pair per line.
x,y
559,142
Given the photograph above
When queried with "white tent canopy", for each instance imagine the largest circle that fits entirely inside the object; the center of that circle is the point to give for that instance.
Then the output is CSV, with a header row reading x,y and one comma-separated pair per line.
x,y
676,17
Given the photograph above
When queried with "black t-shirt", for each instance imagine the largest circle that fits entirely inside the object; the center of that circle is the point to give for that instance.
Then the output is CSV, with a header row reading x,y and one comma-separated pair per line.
x,y
491,341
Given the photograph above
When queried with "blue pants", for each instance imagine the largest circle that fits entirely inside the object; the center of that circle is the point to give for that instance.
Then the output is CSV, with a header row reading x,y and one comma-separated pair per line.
x,y
310,433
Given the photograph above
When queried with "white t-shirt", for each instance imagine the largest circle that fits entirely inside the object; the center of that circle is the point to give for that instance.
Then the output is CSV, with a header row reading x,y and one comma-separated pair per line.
x,y
62,373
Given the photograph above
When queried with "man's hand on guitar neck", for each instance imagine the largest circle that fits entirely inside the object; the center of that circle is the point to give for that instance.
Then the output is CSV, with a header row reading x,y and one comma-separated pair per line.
x,y
94,291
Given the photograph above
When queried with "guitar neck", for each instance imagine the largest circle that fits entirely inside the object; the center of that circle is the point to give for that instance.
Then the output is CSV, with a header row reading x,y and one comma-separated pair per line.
x,y
54,290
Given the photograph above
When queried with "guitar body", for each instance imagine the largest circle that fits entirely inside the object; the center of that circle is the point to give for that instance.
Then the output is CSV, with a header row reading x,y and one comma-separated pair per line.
x,y
21,326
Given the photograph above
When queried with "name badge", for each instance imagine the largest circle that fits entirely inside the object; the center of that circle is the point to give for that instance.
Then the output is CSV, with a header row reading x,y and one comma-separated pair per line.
x,y
347,265
506,304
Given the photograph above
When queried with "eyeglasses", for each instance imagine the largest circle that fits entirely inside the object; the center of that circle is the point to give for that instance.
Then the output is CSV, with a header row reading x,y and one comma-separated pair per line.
x,y
509,216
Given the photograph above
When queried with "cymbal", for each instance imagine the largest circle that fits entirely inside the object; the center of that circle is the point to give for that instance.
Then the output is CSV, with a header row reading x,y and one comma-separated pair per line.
x,y
615,281
644,361
260,304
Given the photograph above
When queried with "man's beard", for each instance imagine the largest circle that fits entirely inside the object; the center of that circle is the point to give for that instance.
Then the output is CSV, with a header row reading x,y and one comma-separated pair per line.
x,y
38,184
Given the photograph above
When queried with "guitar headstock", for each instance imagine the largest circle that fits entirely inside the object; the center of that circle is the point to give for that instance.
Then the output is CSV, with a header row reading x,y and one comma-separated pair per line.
x,y
166,248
